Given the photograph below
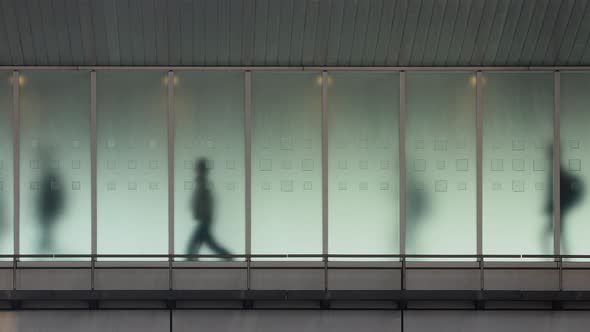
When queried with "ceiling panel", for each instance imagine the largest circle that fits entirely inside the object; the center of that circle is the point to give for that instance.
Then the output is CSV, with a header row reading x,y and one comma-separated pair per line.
x,y
295,32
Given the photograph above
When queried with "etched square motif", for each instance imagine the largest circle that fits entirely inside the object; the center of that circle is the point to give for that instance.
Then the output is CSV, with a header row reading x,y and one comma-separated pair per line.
x,y
54,164
574,144
153,143
34,185
265,164
539,186
342,164
132,186
287,185
111,186
266,186
419,144
575,165
307,164
420,186
34,143
496,186
75,185
230,164
461,143
440,186
111,143
384,185
539,165
76,144
286,143
75,164
363,143
210,144
54,186
286,164
518,145
154,185
111,164
132,164
363,186
461,186
230,186
517,185
363,164
419,165
189,164
440,145
153,164
518,165
497,164
188,185
307,185
441,164
307,143
342,186
384,164
462,165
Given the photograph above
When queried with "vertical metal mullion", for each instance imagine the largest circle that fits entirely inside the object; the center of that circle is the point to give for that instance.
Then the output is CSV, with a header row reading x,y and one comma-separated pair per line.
x,y
325,163
170,164
16,158
248,159
402,163
479,160
556,163
93,165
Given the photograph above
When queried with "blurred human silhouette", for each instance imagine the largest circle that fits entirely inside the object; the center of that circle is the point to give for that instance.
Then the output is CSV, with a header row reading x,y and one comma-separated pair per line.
x,y
571,191
50,203
416,208
202,208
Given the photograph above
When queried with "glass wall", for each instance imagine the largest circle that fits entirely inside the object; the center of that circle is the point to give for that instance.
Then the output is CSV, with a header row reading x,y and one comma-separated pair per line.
x,y
286,163
440,163
6,162
55,162
209,163
517,156
575,142
132,170
363,138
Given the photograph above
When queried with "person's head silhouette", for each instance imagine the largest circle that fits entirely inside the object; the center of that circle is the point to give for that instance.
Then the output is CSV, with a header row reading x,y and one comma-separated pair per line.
x,y
202,168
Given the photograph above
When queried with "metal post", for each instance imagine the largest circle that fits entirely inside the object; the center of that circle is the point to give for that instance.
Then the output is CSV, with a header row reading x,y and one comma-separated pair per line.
x,y
402,164
248,159
16,161
556,163
170,178
481,273
479,161
325,163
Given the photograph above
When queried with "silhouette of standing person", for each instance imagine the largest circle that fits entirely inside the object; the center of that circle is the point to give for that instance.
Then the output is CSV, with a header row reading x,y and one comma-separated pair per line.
x,y
50,204
202,208
570,193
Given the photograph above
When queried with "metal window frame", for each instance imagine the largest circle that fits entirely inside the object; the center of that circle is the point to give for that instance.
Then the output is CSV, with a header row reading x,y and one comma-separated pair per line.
x,y
402,163
556,163
16,162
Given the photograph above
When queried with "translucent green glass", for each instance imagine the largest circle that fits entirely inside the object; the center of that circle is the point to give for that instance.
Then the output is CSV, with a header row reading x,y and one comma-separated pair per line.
x,y
363,163
55,162
440,163
575,177
517,154
6,161
286,163
132,179
209,116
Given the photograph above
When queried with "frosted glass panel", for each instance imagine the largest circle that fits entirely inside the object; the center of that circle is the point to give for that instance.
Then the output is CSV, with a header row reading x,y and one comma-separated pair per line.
x,y
440,163
575,157
55,162
363,163
209,115
132,168
517,154
286,163
6,174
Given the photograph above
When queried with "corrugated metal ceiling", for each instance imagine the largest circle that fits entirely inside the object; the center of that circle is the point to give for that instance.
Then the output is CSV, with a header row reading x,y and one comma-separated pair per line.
x,y
295,32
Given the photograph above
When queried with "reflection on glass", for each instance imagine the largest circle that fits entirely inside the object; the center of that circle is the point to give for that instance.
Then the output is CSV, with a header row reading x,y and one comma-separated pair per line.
x,y
132,175
209,121
55,162
6,175
574,177
440,163
364,165
286,163
517,135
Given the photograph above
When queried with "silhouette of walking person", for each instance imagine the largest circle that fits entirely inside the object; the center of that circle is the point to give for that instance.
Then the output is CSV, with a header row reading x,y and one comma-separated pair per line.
x,y
571,191
50,204
202,206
